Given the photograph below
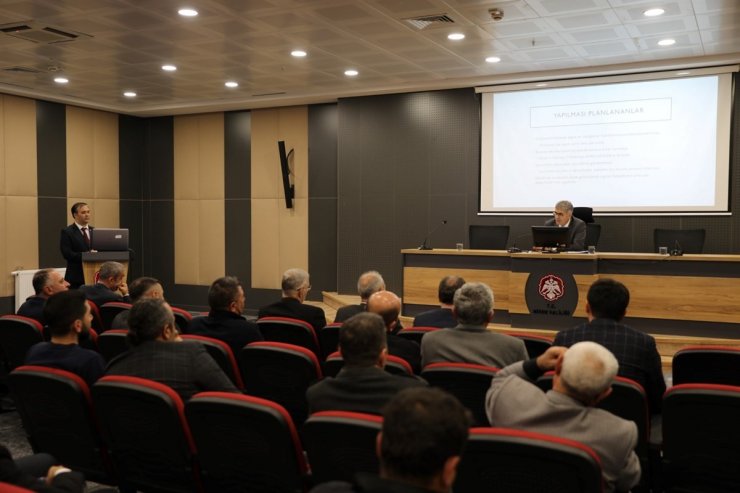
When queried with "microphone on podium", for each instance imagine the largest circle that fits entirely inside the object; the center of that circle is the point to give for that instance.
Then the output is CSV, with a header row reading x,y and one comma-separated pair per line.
x,y
513,248
424,245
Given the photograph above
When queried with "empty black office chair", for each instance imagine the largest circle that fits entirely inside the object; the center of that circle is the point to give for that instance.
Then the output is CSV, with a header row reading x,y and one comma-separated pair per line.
x,y
707,364
515,461
585,214
686,240
143,423
701,438
340,444
245,444
466,381
488,237
57,415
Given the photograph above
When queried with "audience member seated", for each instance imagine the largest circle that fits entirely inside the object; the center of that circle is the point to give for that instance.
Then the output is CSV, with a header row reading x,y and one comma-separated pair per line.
x,y
38,473
470,341
583,377
388,305
635,351
225,320
110,285
295,285
419,447
68,315
142,287
369,282
361,385
442,317
46,282
159,353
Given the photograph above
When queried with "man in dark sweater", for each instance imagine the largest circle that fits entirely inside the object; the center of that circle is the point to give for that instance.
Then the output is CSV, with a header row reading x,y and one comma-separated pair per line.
x,y
361,385
46,282
225,321
68,315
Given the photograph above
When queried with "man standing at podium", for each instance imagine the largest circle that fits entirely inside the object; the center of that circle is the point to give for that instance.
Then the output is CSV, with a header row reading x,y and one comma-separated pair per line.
x,y
563,218
75,239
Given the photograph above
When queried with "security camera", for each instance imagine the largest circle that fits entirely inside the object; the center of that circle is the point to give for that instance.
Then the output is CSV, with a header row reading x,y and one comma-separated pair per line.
x,y
496,14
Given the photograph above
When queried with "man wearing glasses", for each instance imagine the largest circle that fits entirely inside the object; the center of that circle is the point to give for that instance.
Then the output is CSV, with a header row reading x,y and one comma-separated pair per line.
x,y
563,218
295,285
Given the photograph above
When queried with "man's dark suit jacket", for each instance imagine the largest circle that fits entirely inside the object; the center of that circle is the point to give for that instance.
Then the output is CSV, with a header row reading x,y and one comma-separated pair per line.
x,y
293,308
576,233
72,244
184,366
364,390
408,350
635,351
100,293
33,308
349,311
439,317
233,329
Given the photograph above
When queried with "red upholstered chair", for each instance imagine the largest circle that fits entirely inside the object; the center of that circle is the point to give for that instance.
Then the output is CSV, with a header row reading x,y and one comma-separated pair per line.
x,y
17,335
466,381
394,364
246,444
701,438
340,444
109,311
222,353
499,459
707,364
143,422
536,345
182,319
289,331
329,339
416,334
280,372
10,488
113,342
58,418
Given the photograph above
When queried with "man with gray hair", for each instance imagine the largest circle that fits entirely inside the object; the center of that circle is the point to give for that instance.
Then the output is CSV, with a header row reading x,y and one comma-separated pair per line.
x,y
46,282
583,377
470,341
111,285
563,218
369,282
295,285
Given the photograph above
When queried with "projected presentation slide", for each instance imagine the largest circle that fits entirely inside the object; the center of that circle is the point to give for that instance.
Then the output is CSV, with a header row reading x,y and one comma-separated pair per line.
x,y
646,146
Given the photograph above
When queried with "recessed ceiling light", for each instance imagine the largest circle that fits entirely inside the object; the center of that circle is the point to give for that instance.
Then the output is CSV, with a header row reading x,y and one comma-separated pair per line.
x,y
541,84
653,12
455,36
187,12
129,94
298,53
493,59
231,84
61,80
685,72
169,68
351,72
667,42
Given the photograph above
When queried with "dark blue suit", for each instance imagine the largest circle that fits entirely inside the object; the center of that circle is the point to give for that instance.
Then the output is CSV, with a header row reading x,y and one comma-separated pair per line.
x,y
72,244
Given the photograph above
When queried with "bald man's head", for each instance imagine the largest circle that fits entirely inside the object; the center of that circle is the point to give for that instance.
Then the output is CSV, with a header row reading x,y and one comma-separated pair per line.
x,y
387,305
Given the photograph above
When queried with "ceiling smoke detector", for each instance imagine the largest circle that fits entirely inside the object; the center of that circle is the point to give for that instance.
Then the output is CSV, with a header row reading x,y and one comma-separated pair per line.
x,y
496,14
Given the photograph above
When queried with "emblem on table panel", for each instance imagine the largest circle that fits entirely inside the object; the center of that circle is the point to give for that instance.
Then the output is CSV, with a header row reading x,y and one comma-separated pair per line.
x,y
551,287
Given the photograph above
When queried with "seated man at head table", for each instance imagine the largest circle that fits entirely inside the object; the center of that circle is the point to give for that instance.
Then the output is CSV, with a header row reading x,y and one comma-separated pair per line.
x,y
563,218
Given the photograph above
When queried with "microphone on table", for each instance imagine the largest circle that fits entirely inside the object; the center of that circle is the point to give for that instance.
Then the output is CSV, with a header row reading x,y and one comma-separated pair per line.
x,y
513,248
424,245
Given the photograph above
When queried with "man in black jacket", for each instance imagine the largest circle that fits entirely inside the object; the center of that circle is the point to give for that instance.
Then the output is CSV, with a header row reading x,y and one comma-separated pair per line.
x,y
295,285
388,305
46,282
74,240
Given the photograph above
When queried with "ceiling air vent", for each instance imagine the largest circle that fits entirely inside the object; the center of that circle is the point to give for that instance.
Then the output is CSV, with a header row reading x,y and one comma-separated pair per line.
x,y
426,21
39,33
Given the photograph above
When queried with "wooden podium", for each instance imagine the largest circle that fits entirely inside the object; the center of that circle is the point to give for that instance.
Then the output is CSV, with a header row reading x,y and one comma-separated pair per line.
x,y
91,262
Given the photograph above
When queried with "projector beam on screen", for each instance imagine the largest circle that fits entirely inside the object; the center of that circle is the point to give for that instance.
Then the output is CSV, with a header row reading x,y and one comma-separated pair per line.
x,y
642,146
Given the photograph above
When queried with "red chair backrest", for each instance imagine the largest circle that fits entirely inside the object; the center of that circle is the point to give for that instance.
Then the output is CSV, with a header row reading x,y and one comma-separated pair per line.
x,y
222,353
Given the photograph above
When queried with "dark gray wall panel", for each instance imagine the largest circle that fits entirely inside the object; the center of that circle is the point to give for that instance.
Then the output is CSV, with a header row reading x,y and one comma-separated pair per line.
x,y
159,182
322,198
132,217
158,259
239,240
132,154
238,155
51,173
